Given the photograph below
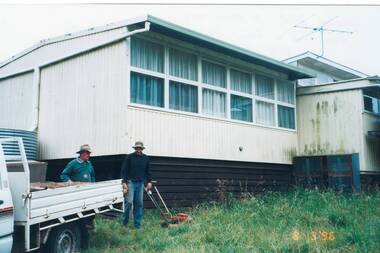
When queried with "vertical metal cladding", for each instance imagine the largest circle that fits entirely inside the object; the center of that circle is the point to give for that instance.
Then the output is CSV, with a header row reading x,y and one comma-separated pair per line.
x,y
30,143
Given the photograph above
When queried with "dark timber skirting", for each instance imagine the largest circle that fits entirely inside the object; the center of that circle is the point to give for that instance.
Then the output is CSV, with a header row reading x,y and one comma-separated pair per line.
x,y
370,180
186,181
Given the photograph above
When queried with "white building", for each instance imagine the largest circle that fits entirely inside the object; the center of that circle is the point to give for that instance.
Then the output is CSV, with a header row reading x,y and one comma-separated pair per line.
x,y
341,118
183,93
204,108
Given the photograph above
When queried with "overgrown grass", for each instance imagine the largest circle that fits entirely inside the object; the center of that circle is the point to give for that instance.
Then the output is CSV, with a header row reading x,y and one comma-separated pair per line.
x,y
298,221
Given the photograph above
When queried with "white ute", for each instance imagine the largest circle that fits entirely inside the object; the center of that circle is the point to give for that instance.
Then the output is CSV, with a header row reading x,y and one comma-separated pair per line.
x,y
49,218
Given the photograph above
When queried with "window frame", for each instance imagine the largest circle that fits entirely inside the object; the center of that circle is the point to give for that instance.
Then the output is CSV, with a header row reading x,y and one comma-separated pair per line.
x,y
177,110
184,51
252,106
146,105
378,105
228,65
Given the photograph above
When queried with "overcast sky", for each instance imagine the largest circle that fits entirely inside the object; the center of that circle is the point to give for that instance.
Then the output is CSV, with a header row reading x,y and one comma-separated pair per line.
x,y
267,30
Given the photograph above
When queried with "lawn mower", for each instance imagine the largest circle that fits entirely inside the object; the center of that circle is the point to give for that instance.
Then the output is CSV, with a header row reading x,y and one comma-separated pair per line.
x,y
169,219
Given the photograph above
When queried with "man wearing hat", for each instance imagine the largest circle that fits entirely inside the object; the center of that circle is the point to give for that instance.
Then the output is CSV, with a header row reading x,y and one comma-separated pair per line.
x,y
134,172
79,169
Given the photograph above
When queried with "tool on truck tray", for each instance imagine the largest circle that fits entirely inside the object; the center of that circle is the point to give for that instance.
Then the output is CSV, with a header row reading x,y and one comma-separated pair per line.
x,y
169,219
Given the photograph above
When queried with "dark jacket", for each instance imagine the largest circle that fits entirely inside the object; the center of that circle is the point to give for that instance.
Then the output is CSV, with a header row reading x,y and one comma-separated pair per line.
x,y
136,167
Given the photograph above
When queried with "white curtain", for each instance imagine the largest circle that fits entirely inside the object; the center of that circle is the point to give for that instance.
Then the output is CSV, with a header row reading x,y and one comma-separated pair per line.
x,y
285,91
265,113
147,55
240,81
286,117
241,108
183,97
213,74
147,90
214,103
182,64
264,86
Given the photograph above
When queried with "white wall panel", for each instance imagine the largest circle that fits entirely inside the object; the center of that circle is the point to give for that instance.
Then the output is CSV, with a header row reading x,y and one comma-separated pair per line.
x,y
371,146
83,100
57,50
16,102
330,123
171,134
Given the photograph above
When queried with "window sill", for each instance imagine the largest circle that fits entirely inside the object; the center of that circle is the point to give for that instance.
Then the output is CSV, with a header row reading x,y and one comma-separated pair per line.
x,y
371,113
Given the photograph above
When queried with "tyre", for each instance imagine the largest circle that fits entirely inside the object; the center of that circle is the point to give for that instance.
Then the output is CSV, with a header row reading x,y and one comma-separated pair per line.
x,y
65,239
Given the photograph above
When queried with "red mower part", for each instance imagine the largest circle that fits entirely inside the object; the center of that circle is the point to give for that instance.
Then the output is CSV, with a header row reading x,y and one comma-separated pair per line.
x,y
181,217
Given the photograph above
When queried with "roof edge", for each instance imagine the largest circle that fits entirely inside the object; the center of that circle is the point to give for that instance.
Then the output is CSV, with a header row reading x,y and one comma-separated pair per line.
x,y
343,85
326,61
230,46
73,35
284,66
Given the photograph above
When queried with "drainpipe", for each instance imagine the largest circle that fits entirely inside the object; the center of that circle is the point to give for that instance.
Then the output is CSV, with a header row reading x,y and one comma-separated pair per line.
x,y
36,99
37,71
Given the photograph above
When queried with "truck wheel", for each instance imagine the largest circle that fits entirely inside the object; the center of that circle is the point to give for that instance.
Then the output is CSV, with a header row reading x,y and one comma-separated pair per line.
x,y
65,239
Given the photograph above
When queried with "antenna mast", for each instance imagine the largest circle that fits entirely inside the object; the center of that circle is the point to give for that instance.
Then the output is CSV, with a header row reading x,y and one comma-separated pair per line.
x,y
321,28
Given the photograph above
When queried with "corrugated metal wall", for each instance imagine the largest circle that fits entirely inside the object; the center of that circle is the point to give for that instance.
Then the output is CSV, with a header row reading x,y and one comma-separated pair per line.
x,y
59,49
16,100
371,146
83,100
330,123
170,134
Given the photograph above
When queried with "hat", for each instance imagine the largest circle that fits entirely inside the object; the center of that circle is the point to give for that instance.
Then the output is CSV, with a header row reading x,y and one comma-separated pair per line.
x,y
84,148
139,144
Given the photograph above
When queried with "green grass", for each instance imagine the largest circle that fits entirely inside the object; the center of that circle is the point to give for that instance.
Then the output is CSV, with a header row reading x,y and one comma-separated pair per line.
x,y
321,221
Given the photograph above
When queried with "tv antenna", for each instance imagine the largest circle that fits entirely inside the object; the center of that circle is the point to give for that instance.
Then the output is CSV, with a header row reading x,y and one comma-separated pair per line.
x,y
321,28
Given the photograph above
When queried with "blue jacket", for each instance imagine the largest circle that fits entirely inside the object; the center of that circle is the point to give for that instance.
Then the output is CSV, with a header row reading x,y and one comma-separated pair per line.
x,y
79,171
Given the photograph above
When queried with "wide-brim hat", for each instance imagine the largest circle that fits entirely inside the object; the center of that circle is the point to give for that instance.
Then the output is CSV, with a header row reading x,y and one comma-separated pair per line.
x,y
139,144
84,148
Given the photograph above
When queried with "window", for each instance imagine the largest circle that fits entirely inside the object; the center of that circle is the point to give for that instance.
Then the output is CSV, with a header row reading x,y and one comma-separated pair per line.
x,y
214,103
147,55
265,113
371,104
286,117
241,108
285,91
183,65
183,80
183,97
147,90
213,74
264,87
240,81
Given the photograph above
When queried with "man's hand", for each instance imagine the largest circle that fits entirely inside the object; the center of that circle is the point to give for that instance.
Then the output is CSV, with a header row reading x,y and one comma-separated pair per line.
x,y
149,186
125,188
